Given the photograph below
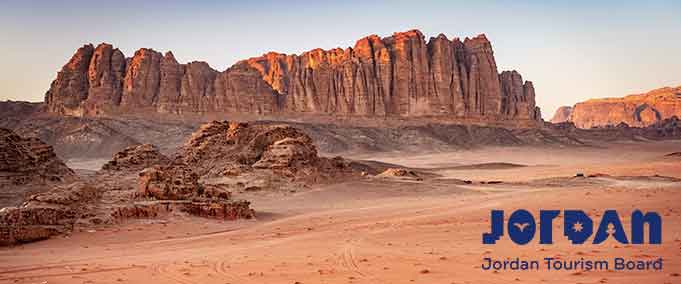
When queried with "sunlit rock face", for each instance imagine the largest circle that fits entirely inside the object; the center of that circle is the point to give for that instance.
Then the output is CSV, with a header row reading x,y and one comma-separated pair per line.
x,y
634,110
402,75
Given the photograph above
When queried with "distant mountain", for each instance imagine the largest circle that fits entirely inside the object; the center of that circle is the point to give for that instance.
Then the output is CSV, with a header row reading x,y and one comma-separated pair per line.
x,y
562,114
639,110
397,76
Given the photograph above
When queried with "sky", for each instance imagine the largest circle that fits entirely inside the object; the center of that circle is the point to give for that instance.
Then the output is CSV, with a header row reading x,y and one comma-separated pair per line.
x,y
571,50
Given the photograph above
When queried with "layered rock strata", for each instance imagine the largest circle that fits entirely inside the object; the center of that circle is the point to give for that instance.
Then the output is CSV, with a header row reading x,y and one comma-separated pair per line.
x,y
26,161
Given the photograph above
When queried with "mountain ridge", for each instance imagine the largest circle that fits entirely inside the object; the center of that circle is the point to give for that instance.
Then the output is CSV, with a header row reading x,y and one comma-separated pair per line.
x,y
401,75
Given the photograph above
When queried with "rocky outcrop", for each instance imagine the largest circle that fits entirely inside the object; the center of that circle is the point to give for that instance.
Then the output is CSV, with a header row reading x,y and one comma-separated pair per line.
x,y
136,158
177,182
46,214
288,153
26,161
224,209
171,182
634,110
401,75
220,145
562,114
223,148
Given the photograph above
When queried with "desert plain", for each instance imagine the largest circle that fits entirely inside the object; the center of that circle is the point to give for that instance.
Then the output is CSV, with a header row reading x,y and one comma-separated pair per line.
x,y
389,229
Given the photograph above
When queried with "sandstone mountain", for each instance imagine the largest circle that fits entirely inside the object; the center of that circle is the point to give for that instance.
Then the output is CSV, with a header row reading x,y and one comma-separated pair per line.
x,y
638,110
401,75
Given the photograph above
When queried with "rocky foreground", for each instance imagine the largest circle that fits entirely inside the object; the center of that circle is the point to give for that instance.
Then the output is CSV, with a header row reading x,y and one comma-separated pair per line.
x,y
401,75
140,182
391,228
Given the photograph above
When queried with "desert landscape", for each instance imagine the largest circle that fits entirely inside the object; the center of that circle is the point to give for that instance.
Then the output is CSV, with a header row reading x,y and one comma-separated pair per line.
x,y
376,163
386,229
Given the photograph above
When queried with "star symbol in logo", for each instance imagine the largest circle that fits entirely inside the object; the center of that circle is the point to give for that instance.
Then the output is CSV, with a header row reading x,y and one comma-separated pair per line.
x,y
611,229
577,227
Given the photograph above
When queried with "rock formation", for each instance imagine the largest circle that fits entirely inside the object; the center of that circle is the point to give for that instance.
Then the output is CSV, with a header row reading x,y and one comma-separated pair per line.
x,y
562,114
29,161
401,75
635,110
219,144
177,182
288,153
46,214
224,148
136,158
221,209
171,182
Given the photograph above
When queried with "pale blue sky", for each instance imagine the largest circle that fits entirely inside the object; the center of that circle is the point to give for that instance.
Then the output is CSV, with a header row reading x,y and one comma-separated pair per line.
x,y
571,50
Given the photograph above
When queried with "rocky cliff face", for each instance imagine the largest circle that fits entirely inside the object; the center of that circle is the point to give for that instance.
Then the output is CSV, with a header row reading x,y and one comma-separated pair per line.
x,y
401,75
562,114
639,110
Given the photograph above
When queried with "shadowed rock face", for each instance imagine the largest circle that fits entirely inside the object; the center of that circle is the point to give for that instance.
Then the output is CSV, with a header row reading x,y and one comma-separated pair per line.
x,y
634,110
401,75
